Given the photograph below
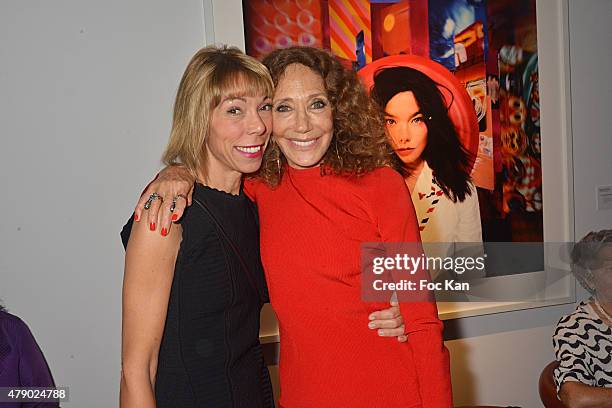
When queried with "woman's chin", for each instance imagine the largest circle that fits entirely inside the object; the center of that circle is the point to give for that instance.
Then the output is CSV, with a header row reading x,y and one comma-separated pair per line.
x,y
412,163
408,160
248,168
305,161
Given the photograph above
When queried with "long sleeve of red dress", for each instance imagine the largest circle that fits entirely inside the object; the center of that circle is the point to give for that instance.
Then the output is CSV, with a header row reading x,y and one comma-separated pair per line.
x,y
312,227
397,222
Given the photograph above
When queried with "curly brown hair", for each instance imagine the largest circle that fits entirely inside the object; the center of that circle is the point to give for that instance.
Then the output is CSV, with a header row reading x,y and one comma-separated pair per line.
x,y
359,143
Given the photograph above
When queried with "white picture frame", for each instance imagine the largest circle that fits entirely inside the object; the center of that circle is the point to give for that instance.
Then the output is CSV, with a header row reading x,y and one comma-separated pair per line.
x,y
224,25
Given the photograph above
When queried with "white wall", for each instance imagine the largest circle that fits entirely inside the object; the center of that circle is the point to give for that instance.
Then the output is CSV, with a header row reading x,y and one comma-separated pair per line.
x,y
591,61
86,93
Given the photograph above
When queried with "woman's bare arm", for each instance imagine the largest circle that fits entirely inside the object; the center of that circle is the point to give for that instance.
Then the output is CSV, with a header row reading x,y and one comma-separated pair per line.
x,y
149,270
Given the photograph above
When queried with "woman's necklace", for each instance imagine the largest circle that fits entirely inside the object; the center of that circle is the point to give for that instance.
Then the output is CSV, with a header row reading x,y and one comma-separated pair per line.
x,y
602,310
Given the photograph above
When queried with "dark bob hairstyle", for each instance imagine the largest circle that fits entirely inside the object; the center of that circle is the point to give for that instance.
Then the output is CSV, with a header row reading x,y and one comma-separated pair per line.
x,y
444,153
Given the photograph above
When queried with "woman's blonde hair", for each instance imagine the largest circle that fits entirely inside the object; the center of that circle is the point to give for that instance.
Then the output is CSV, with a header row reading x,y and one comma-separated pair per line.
x,y
212,73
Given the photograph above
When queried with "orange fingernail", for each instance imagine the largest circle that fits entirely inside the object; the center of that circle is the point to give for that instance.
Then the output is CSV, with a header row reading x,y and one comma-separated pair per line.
x,y
164,232
136,217
174,217
152,226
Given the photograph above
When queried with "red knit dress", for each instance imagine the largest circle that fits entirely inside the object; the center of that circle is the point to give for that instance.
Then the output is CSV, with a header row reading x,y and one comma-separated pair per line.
x,y
311,229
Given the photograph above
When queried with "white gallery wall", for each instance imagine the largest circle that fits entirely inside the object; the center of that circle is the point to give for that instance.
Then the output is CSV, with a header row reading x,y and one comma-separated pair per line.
x,y
86,91
86,94
591,61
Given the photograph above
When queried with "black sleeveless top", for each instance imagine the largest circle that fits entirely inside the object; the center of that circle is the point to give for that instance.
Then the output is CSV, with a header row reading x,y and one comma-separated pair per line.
x,y
210,354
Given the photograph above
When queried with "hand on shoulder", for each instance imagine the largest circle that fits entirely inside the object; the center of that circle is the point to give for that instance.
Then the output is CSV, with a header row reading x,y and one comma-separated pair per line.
x,y
165,199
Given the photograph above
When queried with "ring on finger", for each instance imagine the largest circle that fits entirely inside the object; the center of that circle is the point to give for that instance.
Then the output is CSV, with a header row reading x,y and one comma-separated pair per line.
x,y
152,198
176,197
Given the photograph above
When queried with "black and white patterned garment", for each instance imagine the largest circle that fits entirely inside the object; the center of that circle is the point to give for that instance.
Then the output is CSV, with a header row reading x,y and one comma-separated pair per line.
x,y
583,348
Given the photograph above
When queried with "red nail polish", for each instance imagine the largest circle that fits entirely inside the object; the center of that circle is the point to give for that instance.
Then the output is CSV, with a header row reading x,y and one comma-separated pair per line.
x,y
174,217
164,232
152,226
136,217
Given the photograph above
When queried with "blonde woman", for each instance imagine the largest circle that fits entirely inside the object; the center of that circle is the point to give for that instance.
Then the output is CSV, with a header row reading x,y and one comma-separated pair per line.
x,y
191,299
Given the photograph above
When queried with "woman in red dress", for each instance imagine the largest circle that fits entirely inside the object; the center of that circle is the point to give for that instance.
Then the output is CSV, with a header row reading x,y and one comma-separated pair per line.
x,y
325,186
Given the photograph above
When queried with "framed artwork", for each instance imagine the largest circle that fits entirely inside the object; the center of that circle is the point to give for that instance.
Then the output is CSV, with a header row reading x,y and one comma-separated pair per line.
x,y
510,58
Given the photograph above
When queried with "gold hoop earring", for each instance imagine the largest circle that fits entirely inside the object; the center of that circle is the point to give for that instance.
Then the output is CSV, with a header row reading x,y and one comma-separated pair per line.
x,y
279,165
338,153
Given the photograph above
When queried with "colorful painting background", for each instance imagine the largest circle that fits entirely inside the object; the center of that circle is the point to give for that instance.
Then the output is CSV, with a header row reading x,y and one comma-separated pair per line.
x,y
489,45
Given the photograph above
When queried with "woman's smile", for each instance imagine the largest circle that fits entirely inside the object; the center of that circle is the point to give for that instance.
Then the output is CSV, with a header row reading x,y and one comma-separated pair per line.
x,y
304,145
250,152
